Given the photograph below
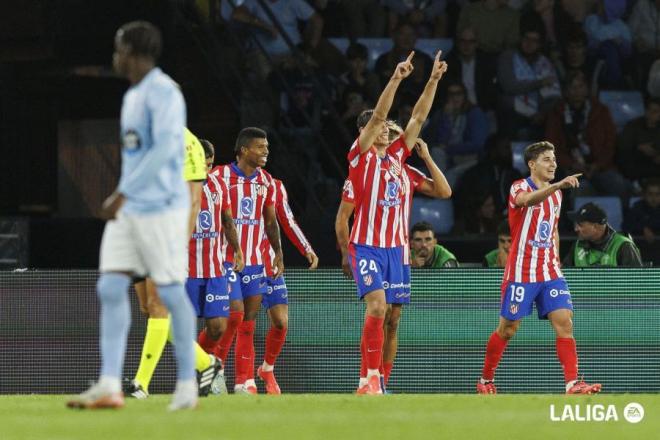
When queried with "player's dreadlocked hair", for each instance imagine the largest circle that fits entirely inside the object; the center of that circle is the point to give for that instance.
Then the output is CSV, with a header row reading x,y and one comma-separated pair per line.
x,y
532,152
143,37
246,135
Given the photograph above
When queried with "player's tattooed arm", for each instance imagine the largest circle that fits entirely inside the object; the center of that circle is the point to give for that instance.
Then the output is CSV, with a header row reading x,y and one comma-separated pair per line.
x,y
273,234
229,229
423,106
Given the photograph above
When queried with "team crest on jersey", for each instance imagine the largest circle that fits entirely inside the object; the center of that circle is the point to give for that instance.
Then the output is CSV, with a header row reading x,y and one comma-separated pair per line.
x,y
205,220
395,168
368,280
261,190
513,308
131,140
247,206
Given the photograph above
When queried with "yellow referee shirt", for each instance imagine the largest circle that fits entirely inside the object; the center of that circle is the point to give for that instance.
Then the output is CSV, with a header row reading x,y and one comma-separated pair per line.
x,y
194,167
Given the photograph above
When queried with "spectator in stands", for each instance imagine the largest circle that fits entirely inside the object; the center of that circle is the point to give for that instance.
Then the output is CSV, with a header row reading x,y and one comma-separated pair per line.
x,y
644,25
584,136
578,10
479,217
598,244
497,257
644,217
459,130
494,21
493,175
427,16
530,85
365,18
358,77
557,23
404,39
639,144
575,58
425,250
610,40
473,69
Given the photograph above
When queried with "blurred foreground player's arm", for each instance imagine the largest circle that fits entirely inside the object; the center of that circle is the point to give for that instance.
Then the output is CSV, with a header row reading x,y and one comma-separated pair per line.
x,y
342,228
291,228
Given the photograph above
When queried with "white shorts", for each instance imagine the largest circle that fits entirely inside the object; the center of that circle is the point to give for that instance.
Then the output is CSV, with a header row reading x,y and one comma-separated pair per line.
x,y
153,245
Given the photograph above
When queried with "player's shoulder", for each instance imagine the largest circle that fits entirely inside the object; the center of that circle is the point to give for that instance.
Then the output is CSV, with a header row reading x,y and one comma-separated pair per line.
x,y
520,185
265,177
412,171
161,83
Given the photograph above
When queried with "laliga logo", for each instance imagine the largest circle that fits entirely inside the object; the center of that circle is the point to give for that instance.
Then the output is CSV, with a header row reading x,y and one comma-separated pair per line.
x,y
204,220
632,413
247,206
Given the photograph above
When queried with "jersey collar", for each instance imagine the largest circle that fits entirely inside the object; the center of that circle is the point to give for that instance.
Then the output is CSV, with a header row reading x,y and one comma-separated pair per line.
x,y
531,183
240,172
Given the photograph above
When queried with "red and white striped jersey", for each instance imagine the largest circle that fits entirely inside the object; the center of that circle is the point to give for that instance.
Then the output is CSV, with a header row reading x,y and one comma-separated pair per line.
x,y
533,256
288,223
249,195
379,193
204,247
412,178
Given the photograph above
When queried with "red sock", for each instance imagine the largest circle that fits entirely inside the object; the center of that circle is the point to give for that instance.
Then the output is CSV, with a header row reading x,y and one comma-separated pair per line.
x,y
242,359
224,344
363,358
274,341
494,350
387,367
205,342
567,354
374,338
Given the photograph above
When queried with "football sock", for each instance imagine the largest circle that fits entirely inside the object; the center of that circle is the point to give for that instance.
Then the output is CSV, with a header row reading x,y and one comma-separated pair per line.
x,y
183,328
274,342
112,290
152,349
373,337
244,340
202,358
494,350
567,354
110,384
387,370
363,358
223,346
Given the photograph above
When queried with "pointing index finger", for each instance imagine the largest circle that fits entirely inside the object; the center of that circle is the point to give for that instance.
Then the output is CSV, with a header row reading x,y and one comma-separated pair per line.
x,y
438,55
410,57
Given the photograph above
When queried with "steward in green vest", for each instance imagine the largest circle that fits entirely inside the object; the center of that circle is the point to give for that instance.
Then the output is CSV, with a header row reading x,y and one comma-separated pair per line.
x,y
425,250
598,243
497,257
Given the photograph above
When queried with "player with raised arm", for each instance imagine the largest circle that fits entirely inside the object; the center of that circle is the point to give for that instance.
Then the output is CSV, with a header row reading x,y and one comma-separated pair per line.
x,y
275,301
198,154
532,274
375,249
252,194
148,215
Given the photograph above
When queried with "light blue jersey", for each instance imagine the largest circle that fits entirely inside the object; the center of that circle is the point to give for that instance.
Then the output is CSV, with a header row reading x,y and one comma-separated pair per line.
x,y
153,116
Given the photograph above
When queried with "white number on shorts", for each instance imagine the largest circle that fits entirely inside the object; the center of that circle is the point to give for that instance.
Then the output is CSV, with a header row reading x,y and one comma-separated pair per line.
x,y
517,293
232,277
363,266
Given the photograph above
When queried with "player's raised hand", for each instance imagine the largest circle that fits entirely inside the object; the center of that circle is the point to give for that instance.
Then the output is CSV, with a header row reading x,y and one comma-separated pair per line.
x,y
345,267
111,205
239,262
439,67
405,68
278,264
570,182
422,149
313,260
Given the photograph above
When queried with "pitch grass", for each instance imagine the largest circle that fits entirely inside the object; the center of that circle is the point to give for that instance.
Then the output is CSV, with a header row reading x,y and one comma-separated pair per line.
x,y
327,416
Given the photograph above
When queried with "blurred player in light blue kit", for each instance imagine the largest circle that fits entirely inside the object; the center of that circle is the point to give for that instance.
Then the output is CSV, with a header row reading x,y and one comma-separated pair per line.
x,y
146,234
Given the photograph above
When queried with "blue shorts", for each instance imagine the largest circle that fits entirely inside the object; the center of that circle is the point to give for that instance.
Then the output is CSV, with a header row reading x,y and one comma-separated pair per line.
x,y
519,298
276,293
250,281
209,296
399,293
373,267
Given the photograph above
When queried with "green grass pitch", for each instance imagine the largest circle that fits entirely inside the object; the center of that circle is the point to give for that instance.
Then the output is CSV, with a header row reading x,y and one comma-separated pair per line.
x,y
328,416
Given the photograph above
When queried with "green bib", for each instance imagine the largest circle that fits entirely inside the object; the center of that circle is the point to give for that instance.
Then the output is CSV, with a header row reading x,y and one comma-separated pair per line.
x,y
491,258
584,257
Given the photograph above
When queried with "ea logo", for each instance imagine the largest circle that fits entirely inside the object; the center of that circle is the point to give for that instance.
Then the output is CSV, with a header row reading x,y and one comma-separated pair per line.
x,y
131,140
209,298
554,293
633,412
247,206
204,220
246,279
392,190
544,231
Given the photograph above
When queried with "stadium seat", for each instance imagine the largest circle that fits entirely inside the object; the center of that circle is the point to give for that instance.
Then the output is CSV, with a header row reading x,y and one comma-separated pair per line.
x,y
439,213
623,105
378,46
611,205
518,161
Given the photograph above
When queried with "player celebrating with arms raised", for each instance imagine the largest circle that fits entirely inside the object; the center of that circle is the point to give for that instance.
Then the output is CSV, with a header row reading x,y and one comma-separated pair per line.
x,y
532,273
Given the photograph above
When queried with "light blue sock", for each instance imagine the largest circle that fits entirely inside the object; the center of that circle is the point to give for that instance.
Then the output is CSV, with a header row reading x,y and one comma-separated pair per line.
x,y
112,290
183,328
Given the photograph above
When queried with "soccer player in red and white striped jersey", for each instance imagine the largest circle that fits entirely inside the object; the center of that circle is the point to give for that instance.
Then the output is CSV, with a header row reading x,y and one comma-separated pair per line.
x,y
252,194
276,298
532,273
376,240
